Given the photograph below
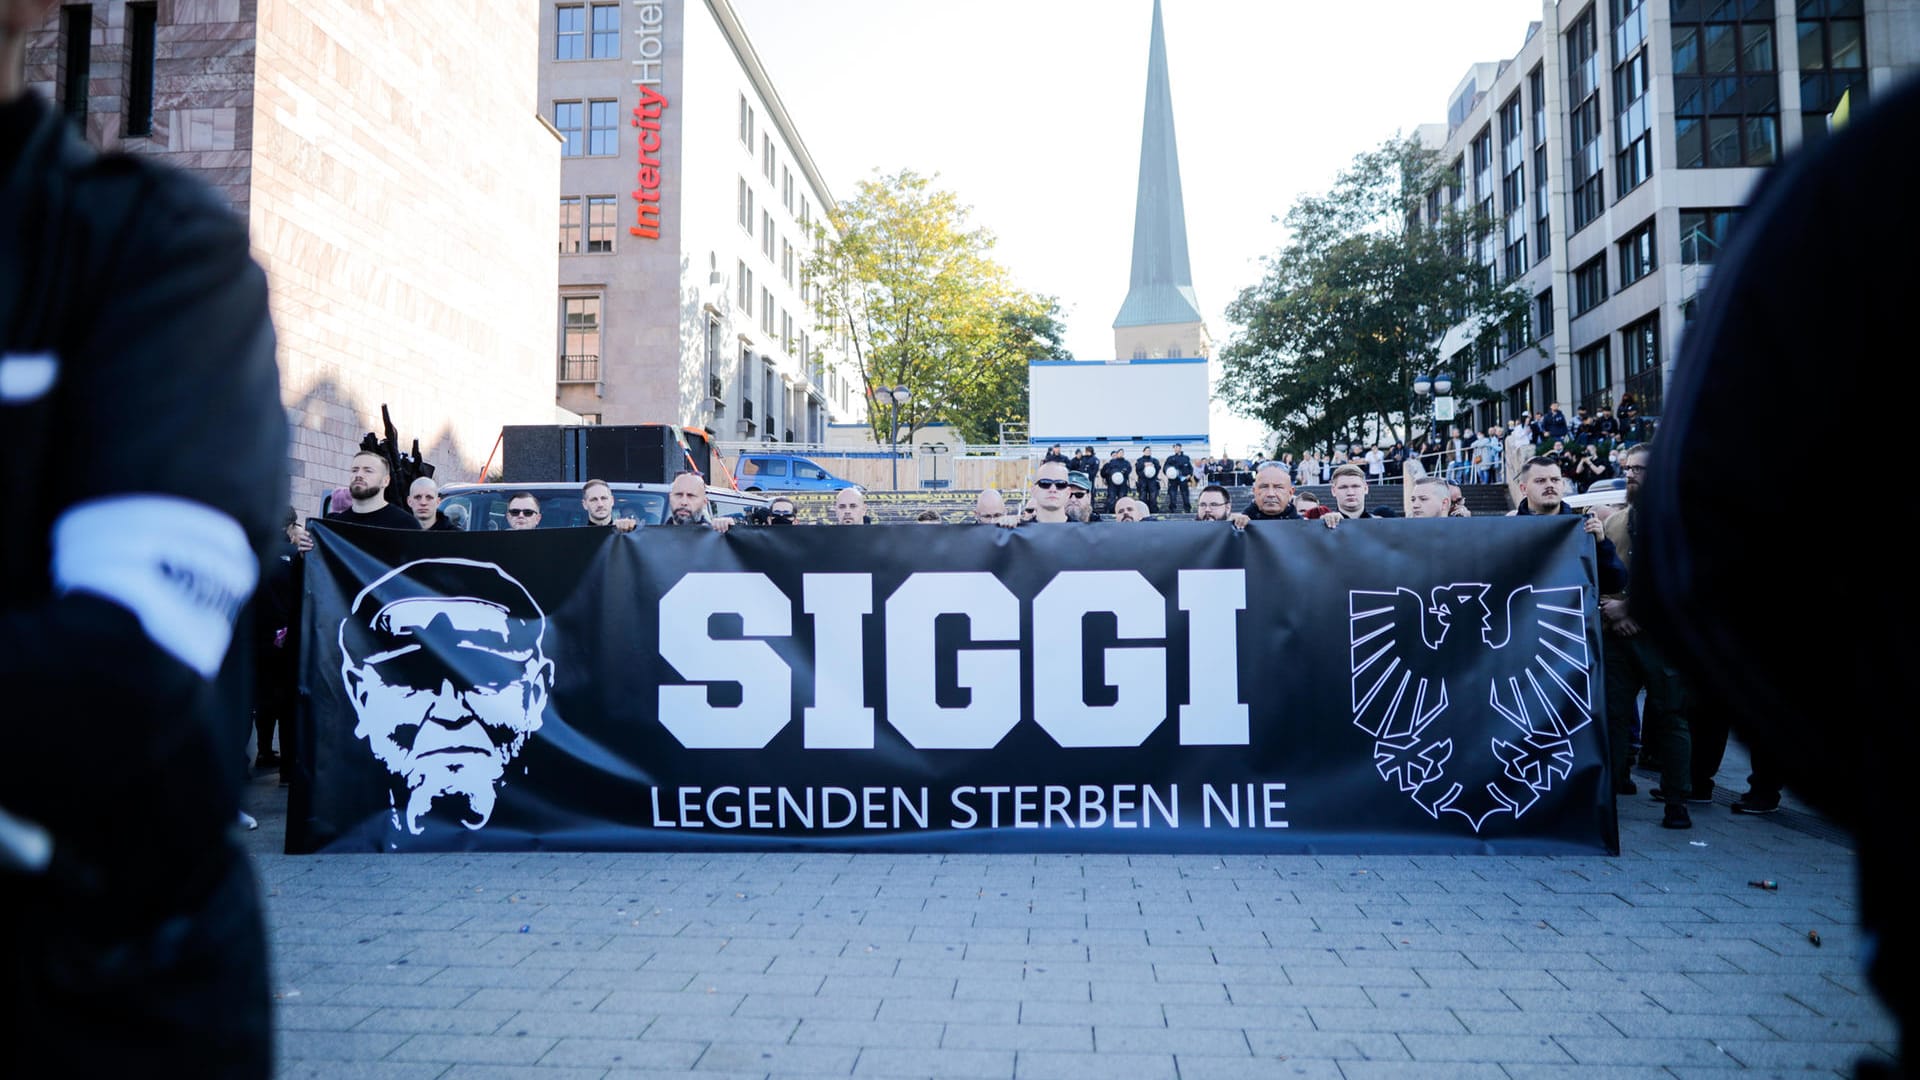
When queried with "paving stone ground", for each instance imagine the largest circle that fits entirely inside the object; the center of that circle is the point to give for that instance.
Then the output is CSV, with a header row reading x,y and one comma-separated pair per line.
x,y
1663,962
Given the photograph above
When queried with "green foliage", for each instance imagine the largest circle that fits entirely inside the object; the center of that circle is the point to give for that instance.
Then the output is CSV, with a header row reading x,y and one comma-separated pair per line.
x,y
928,309
1357,302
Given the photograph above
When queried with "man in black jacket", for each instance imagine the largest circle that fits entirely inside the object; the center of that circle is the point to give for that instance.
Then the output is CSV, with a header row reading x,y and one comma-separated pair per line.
x,y
1146,471
1116,473
146,447
1179,479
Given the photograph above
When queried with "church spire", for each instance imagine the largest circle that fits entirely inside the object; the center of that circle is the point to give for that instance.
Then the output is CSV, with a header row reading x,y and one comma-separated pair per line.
x,y
1160,292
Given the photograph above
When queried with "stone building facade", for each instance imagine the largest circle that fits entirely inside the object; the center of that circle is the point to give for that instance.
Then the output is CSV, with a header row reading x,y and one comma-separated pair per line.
x,y
399,185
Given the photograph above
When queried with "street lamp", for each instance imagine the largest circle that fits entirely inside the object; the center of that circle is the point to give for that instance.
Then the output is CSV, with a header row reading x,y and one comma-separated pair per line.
x,y
1433,388
899,395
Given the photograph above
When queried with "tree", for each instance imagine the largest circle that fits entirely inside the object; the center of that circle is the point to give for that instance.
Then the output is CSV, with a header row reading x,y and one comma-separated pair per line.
x,y
1358,302
994,392
926,307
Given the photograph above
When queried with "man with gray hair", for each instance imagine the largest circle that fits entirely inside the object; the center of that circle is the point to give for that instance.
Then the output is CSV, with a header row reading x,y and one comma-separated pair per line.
x,y
1273,497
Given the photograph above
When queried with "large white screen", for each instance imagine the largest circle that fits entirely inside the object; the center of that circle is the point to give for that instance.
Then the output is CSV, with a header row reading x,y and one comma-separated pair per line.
x,y
1136,401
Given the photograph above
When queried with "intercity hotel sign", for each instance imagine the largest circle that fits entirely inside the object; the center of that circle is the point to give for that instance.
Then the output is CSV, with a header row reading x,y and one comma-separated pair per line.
x,y
649,48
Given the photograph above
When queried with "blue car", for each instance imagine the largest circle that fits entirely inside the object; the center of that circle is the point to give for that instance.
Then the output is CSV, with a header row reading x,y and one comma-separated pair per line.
x,y
784,472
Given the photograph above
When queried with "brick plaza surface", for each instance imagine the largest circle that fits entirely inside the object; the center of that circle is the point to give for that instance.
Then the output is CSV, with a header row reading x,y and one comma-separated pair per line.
x,y
1663,962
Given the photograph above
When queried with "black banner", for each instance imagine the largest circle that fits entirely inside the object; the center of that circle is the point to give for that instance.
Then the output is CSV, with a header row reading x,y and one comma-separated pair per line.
x,y
1403,686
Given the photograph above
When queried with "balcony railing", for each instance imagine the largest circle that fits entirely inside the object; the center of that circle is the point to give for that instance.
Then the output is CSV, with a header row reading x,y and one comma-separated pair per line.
x,y
580,367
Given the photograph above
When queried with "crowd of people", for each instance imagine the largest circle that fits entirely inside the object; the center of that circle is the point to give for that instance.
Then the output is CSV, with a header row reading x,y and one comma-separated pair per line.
x,y
1067,490
1588,446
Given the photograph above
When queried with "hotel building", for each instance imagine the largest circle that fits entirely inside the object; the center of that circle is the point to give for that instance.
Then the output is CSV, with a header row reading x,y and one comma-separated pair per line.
x,y
688,204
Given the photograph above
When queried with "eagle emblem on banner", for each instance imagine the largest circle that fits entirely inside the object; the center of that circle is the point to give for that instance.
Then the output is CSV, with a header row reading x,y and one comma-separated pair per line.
x,y
1432,673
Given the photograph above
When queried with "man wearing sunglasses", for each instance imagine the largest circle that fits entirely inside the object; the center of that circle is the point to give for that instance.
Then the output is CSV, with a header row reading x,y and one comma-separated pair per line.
x,y
1080,498
1047,498
780,512
523,511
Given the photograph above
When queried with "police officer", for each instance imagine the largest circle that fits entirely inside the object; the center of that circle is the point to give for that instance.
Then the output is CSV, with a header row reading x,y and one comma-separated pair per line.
x,y
1146,471
1116,472
145,447
1179,470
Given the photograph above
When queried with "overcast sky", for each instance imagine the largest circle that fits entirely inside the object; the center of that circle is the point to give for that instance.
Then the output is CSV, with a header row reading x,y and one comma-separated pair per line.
x,y
1030,112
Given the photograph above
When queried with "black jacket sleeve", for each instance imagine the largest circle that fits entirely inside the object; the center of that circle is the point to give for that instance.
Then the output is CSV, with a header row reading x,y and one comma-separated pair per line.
x,y
122,644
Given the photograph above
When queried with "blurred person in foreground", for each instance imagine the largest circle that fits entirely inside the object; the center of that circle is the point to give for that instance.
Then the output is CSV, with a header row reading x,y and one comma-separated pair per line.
x,y
146,445
1807,683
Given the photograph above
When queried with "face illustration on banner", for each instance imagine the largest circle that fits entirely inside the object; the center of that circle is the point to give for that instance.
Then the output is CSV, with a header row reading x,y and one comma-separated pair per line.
x,y
442,661
1407,651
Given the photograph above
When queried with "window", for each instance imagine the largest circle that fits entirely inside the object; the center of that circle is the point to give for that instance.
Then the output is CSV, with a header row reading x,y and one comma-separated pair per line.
x,y
580,339
766,235
1636,254
569,118
600,224
766,312
766,156
1520,398
1543,314
1537,97
1632,138
1543,223
786,188
1703,234
806,211
1589,285
746,124
1590,371
746,206
1640,349
606,31
1513,189
786,261
786,332
76,31
746,391
603,128
768,401
1726,92
1833,61
570,32
140,41
746,290
1587,181
715,391
569,224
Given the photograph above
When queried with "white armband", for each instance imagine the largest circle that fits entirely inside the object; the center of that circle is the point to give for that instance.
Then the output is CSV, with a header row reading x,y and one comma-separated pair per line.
x,y
181,567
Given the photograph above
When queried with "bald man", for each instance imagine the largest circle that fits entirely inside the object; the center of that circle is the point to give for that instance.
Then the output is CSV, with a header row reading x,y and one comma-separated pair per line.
x,y
989,507
850,507
687,504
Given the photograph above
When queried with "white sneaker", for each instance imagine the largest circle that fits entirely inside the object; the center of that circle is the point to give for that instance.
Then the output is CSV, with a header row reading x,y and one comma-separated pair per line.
x,y
248,821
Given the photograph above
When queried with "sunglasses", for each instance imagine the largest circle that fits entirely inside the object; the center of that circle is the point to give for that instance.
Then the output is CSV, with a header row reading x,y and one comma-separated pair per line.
x,y
1076,493
523,513
780,513
1053,485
